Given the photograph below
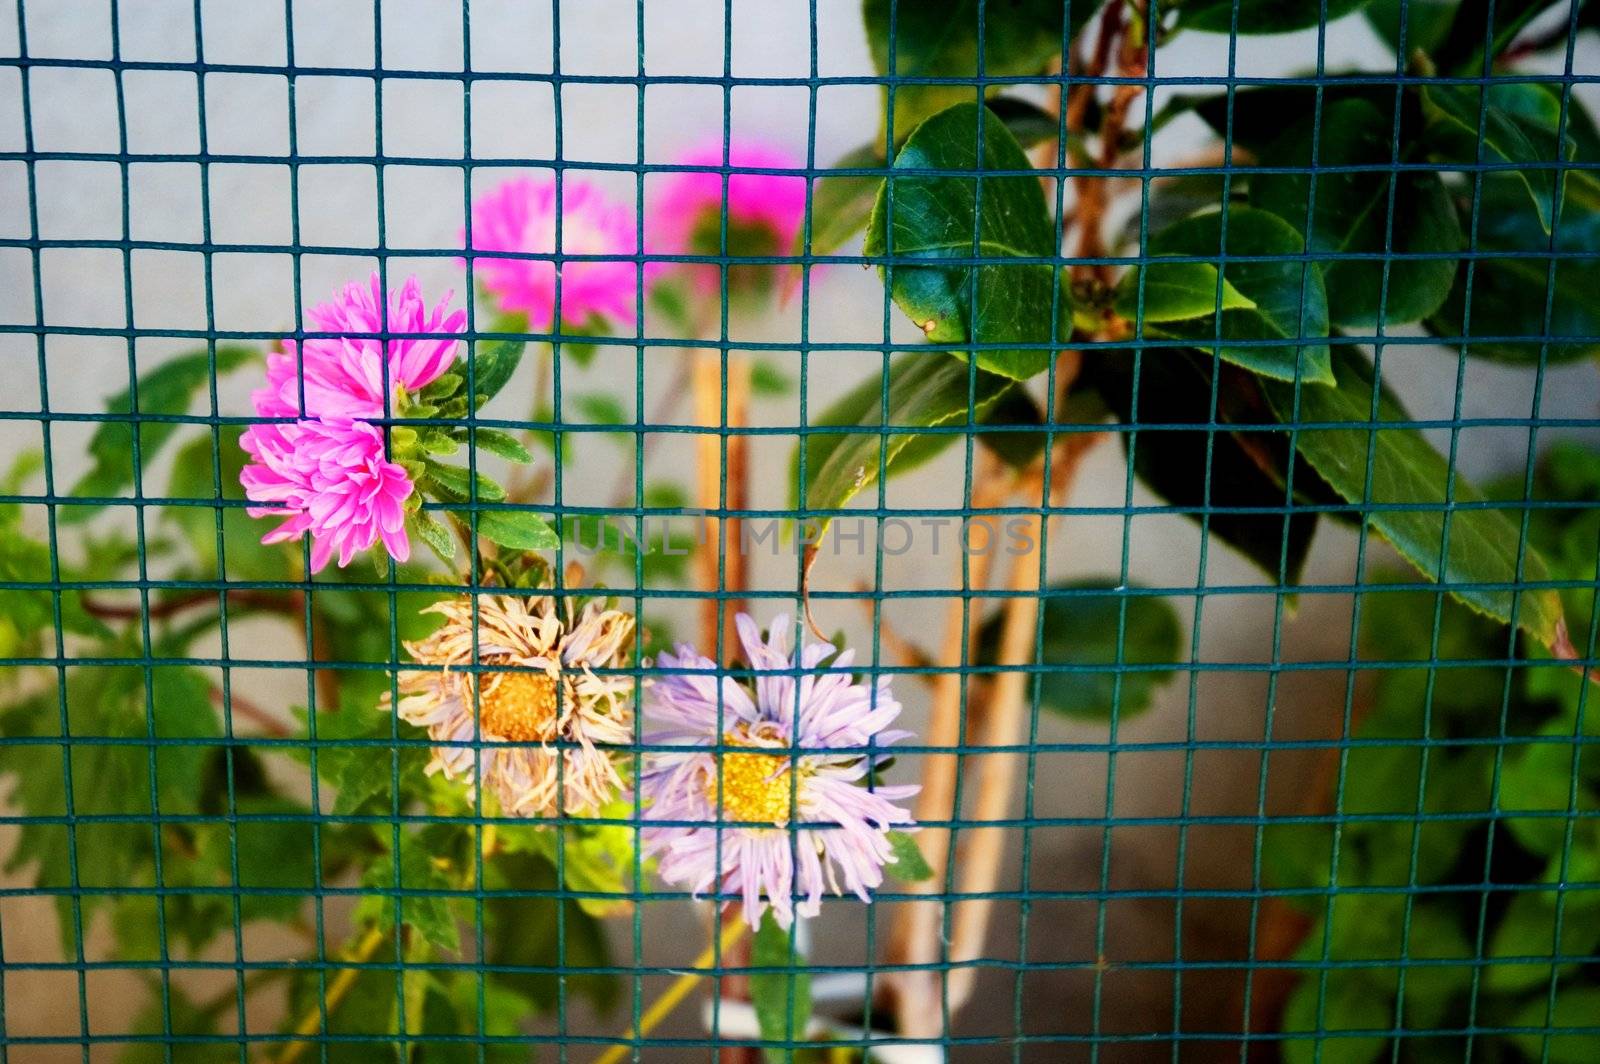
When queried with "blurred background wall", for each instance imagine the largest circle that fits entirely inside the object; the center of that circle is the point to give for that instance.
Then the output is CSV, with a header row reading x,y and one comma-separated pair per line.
x,y
253,204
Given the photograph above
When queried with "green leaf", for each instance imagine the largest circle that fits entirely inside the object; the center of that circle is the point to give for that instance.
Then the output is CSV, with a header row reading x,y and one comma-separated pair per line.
x,y
516,529
432,531
1407,471
537,930
495,361
1426,22
1082,630
1461,51
940,40
1176,291
1261,16
908,865
768,379
429,914
1352,215
1235,471
1576,1006
1289,299
782,999
1347,1005
924,391
599,408
501,443
1451,114
940,218
1509,295
169,389
842,203
1528,926
455,484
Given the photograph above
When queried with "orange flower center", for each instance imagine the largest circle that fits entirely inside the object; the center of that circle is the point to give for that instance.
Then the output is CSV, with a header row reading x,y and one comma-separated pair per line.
x,y
520,706
755,785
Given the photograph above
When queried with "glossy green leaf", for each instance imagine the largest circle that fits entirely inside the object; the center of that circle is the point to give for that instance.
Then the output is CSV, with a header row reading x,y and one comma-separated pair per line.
x,y
168,389
925,390
994,219
940,40
842,203
1233,471
1290,302
1261,16
782,998
1176,291
1352,214
1461,51
1426,22
1510,295
1406,471
1084,623
517,529
1451,132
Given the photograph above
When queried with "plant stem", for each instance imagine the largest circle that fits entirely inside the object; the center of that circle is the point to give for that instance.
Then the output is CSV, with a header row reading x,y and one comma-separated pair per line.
x,y
732,933
312,1021
915,938
723,467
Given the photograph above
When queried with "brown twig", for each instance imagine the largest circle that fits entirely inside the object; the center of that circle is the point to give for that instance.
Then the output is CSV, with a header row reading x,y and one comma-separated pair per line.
x,y
290,602
1002,716
723,483
915,937
906,652
240,706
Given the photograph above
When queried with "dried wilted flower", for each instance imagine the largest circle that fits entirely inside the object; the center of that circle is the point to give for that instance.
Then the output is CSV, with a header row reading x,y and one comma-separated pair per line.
x,y
507,722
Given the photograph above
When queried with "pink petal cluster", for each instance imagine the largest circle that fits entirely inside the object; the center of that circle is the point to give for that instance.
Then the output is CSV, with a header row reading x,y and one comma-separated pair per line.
x,y
346,375
834,832
331,479
687,204
328,472
520,216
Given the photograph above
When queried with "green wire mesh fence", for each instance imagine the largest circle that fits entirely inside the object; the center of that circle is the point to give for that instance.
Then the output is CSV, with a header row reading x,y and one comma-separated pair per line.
x,y
1168,433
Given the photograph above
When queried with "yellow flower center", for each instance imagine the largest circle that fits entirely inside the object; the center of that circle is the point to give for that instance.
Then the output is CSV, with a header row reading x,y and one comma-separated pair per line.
x,y
755,786
520,706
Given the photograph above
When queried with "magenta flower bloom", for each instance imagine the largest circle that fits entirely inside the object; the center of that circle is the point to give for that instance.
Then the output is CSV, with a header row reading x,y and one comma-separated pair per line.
x,y
344,376
764,788
330,479
765,211
520,216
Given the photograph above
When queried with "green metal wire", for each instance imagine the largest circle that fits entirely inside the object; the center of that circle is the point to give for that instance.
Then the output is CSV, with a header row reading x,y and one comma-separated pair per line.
x,y
1031,1036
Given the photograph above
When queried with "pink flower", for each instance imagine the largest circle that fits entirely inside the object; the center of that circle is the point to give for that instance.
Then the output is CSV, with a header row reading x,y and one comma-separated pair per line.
x,y
520,216
344,376
735,809
330,479
765,211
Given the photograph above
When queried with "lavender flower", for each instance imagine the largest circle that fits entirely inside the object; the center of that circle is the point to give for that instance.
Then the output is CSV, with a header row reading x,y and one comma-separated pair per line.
x,y
764,788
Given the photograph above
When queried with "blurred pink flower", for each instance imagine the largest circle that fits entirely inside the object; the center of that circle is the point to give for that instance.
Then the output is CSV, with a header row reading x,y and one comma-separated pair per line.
x,y
331,479
765,211
520,216
344,375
